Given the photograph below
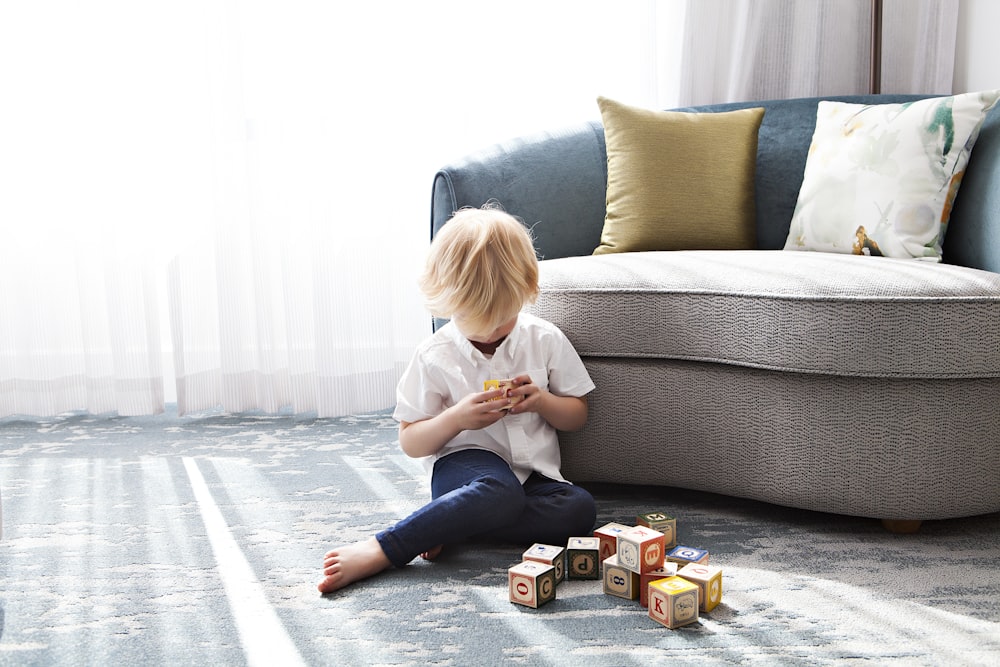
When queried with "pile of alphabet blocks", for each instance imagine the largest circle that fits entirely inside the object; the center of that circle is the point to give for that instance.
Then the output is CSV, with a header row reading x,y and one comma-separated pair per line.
x,y
641,562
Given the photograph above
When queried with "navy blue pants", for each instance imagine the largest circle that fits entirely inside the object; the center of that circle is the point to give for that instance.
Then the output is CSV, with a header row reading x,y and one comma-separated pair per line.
x,y
476,495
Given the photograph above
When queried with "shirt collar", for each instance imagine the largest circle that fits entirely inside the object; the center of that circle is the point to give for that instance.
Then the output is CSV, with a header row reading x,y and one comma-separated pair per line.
x,y
506,349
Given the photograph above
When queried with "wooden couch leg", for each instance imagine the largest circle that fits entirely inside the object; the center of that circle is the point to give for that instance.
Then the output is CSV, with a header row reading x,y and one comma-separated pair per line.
x,y
901,526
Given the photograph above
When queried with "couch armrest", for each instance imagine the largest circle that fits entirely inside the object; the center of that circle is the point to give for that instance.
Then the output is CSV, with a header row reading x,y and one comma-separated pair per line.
x,y
554,182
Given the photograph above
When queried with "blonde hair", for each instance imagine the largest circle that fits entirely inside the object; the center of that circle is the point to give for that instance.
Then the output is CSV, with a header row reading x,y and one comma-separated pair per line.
x,y
481,267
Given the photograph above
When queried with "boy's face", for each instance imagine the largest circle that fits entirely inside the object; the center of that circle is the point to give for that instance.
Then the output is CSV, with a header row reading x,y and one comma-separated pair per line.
x,y
486,337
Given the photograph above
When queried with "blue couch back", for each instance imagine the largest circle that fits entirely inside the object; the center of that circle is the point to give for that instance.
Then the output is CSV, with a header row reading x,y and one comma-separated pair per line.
x,y
556,182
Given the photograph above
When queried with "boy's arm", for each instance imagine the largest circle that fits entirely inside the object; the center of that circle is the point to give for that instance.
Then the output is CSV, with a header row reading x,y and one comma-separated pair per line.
x,y
428,436
564,413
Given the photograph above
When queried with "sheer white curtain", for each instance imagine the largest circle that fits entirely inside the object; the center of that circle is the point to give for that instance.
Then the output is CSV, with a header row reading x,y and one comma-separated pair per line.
x,y
736,50
921,36
236,193
85,198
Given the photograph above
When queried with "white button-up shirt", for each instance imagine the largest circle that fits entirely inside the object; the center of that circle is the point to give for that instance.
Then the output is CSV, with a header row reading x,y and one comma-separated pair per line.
x,y
446,367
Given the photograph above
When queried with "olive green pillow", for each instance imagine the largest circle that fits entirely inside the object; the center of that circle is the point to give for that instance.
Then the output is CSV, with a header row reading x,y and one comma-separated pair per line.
x,y
679,180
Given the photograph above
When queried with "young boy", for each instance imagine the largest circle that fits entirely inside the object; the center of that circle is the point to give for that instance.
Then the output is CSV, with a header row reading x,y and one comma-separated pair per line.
x,y
494,454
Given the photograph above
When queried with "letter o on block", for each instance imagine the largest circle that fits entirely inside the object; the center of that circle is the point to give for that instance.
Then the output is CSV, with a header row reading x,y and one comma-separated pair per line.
x,y
531,584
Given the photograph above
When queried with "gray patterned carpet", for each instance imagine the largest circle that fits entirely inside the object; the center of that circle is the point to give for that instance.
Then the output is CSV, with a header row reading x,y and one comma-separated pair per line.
x,y
198,541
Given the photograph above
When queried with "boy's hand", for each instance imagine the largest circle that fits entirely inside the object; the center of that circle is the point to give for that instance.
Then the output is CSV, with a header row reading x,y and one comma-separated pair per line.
x,y
531,395
564,413
481,409
427,436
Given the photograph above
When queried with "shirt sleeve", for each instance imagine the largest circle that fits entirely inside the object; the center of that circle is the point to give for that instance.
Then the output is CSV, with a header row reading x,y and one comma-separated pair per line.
x,y
416,398
567,374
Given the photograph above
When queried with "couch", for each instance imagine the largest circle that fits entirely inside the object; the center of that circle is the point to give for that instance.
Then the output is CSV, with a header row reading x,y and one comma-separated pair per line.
x,y
833,382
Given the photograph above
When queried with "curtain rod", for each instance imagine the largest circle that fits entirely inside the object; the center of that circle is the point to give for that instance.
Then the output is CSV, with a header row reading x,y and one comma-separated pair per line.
x,y
875,73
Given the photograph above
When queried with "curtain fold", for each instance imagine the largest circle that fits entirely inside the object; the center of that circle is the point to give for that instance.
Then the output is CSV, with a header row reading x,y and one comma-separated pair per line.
x,y
85,336
91,163
921,36
742,50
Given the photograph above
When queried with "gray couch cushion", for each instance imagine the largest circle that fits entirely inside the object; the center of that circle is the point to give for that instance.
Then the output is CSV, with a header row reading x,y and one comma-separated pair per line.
x,y
797,311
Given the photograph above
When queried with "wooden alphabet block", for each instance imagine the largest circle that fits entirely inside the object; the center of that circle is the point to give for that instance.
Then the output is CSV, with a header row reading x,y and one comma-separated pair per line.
x,y
683,555
582,558
662,522
608,535
506,385
668,570
550,555
531,583
708,578
619,581
640,549
673,602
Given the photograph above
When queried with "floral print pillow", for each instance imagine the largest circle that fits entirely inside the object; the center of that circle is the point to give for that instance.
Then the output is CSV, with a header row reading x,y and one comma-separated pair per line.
x,y
881,179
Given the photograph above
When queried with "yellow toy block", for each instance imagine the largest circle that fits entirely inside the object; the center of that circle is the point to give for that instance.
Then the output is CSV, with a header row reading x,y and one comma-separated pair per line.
x,y
550,555
708,578
618,581
582,561
673,602
640,549
608,535
662,522
668,570
506,385
532,584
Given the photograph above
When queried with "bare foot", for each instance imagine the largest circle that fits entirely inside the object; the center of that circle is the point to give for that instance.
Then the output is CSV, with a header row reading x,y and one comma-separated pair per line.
x,y
345,565
431,554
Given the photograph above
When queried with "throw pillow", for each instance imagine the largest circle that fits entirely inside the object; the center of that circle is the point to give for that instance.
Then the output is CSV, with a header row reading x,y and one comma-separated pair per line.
x,y
679,180
881,179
